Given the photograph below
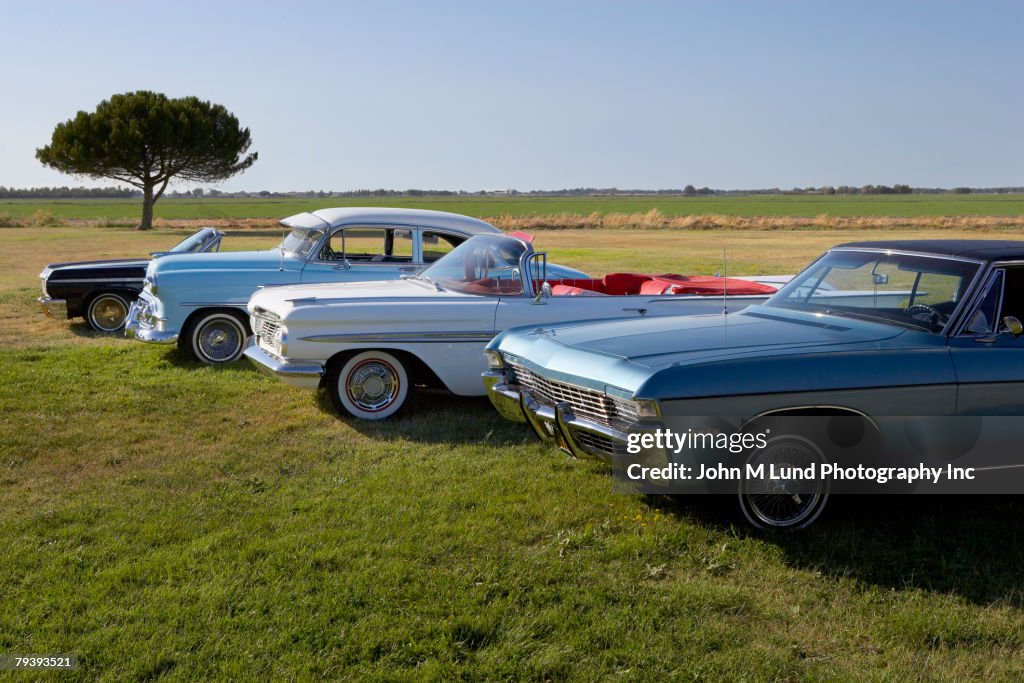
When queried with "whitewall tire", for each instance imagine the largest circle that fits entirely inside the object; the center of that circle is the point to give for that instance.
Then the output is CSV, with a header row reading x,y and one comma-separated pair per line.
x,y
371,385
216,337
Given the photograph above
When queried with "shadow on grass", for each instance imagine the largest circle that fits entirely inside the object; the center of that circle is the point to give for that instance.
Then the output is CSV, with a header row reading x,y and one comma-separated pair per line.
x,y
179,358
436,416
970,546
80,328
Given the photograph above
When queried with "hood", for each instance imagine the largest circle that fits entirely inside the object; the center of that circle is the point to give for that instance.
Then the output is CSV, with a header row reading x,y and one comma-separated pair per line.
x,y
759,349
280,300
88,265
662,341
226,260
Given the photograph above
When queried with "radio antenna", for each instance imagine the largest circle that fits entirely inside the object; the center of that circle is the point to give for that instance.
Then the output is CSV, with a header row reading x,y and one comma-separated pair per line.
x,y
280,264
725,283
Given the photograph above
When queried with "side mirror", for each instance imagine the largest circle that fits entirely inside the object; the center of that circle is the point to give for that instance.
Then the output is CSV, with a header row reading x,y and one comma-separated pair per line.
x,y
1014,325
880,278
544,293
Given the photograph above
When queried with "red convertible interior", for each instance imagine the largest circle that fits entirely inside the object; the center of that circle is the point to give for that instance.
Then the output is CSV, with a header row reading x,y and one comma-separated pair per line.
x,y
655,285
621,284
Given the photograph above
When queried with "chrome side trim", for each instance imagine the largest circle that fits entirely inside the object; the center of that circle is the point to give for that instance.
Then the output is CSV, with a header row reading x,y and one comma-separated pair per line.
x,y
79,281
787,412
409,337
229,304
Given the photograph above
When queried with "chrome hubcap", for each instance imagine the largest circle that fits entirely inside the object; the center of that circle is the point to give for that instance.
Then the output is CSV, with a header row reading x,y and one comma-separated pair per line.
x,y
109,314
219,341
372,385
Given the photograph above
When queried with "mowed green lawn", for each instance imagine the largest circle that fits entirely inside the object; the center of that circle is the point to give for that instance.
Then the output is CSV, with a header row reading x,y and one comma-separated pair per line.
x,y
754,205
164,520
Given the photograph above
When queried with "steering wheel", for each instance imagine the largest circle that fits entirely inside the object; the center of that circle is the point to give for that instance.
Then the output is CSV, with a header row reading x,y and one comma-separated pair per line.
x,y
328,254
926,313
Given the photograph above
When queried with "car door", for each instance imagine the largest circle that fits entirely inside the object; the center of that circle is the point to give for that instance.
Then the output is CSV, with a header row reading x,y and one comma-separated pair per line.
x,y
987,357
357,253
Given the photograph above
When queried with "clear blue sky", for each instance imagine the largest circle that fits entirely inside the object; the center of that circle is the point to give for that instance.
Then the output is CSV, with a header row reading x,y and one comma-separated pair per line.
x,y
474,95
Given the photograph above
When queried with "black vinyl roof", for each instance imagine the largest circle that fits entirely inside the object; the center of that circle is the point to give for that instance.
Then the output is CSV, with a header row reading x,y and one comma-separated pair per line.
x,y
988,250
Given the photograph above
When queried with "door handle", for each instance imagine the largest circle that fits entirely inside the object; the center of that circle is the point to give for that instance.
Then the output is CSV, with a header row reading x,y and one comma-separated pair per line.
x,y
641,311
408,269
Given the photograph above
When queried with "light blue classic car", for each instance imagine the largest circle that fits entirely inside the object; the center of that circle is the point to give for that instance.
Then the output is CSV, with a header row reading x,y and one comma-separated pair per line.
x,y
875,333
200,303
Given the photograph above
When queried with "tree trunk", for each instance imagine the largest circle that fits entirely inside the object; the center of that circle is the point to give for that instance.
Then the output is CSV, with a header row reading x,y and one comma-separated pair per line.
x,y
147,207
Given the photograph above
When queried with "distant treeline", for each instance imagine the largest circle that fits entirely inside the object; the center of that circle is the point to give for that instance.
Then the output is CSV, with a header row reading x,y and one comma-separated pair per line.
x,y
68,192
688,191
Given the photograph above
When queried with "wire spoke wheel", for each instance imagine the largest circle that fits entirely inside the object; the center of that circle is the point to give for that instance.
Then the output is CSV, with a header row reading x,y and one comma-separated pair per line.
x,y
783,497
218,338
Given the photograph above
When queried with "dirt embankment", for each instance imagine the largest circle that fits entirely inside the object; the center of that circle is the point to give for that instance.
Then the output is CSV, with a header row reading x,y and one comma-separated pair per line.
x,y
650,220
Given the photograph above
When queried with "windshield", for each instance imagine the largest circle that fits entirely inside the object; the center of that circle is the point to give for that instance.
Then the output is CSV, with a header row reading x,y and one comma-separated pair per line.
x,y
485,264
194,243
301,241
908,289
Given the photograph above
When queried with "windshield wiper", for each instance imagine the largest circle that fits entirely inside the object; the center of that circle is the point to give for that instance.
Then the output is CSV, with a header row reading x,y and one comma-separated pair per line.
x,y
426,278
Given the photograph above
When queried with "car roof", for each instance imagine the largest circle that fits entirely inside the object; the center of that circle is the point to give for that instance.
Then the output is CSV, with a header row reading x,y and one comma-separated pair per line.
x,y
355,214
988,250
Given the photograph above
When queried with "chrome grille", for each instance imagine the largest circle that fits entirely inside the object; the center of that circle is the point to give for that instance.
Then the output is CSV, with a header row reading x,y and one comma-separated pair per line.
x,y
595,443
266,333
265,327
586,403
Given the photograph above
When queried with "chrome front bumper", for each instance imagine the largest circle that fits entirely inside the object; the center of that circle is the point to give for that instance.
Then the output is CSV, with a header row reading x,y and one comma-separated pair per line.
x,y
556,425
306,375
144,326
54,308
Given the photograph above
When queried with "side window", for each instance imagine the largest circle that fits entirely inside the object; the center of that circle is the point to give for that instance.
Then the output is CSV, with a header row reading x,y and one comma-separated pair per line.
x,y
438,244
369,245
1004,296
399,248
1013,296
984,318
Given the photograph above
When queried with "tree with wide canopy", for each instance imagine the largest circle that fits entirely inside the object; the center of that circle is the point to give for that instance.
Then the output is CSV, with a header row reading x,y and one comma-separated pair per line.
x,y
146,139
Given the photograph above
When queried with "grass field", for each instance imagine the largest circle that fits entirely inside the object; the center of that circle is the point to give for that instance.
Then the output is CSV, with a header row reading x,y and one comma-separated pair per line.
x,y
489,207
168,521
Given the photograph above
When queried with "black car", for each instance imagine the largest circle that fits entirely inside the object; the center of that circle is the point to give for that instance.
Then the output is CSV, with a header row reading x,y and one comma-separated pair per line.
x,y
102,291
